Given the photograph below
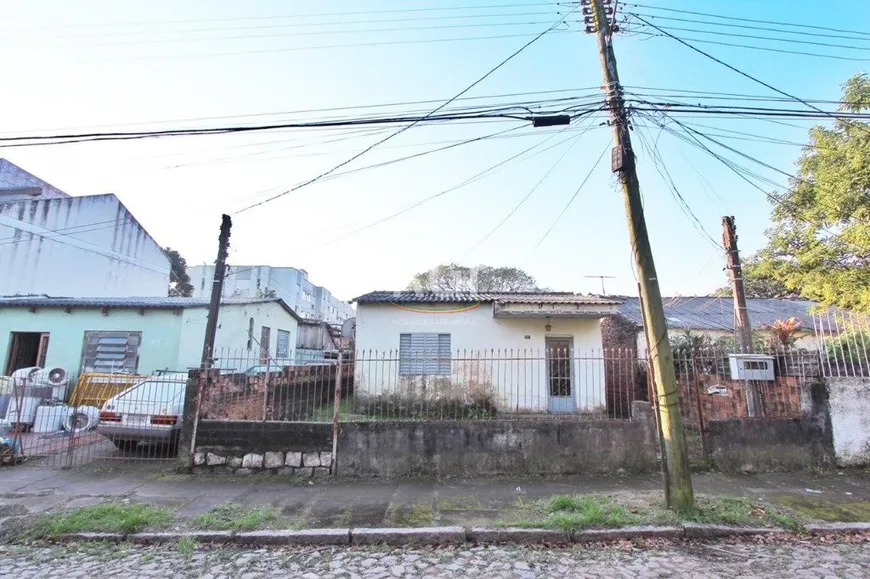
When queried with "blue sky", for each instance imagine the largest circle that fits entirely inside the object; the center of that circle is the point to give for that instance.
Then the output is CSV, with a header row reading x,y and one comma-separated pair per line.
x,y
110,64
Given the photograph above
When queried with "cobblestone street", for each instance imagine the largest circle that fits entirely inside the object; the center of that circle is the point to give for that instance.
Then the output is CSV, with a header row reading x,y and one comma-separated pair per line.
x,y
797,559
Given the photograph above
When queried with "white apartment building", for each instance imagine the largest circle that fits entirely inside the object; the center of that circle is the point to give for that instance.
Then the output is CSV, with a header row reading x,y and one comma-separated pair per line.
x,y
57,245
311,302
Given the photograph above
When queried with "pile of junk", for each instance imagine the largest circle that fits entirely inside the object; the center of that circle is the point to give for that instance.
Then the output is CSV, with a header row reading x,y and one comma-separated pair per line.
x,y
33,400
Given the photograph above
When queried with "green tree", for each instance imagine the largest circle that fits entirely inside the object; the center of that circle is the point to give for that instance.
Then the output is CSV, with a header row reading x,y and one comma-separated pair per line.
x,y
483,278
819,243
179,281
757,283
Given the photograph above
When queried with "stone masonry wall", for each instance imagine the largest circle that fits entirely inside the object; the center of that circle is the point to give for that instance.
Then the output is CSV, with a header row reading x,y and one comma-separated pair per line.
x,y
249,446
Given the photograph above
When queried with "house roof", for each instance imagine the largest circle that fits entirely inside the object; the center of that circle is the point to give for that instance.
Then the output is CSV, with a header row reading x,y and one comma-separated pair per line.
x,y
144,302
715,313
408,297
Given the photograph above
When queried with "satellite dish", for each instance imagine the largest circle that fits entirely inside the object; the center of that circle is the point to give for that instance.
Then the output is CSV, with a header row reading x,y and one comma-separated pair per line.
x,y
348,329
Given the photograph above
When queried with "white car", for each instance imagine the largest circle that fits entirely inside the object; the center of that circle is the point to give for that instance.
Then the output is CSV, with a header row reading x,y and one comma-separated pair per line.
x,y
149,412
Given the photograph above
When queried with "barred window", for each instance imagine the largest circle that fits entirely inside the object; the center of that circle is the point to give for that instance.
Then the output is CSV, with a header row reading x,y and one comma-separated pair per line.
x,y
424,354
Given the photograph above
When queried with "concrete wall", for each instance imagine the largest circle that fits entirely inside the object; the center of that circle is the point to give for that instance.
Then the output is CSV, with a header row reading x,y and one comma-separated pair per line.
x,y
849,399
499,447
231,342
160,333
519,385
448,449
80,247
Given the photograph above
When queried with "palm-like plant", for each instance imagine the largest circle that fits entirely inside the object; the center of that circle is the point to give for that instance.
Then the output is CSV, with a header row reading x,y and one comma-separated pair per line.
x,y
785,332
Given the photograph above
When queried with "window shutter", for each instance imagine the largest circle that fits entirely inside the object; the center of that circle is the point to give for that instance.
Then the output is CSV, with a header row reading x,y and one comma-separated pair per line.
x,y
111,352
424,354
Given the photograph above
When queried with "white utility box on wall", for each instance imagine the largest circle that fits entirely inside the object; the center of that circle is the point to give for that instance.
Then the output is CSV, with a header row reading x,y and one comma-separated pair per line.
x,y
751,367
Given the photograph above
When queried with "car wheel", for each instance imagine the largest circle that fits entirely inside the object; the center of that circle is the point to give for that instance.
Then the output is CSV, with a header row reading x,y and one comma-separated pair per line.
x,y
126,445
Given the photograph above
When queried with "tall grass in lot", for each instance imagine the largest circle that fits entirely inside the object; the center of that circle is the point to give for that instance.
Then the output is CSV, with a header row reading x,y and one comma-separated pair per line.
x,y
105,518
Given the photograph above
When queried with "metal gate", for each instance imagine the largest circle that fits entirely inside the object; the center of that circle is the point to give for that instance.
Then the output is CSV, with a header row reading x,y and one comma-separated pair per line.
x,y
108,418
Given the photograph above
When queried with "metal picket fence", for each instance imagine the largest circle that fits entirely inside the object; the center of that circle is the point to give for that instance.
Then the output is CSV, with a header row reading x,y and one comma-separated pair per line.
x,y
844,343
453,385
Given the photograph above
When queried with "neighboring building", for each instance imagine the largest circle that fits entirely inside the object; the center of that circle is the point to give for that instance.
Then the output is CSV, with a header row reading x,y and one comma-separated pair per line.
x,y
141,334
529,352
54,244
310,301
714,316
16,184
316,340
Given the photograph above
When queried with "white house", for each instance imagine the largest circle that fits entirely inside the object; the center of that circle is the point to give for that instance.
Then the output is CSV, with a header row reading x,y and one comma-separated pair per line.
x,y
526,352
141,335
54,244
310,301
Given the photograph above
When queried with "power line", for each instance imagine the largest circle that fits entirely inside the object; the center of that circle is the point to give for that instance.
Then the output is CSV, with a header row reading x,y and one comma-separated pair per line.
x,y
769,49
351,108
738,71
70,231
750,27
313,47
315,15
573,197
413,124
756,21
769,38
663,172
525,198
295,34
309,24
476,177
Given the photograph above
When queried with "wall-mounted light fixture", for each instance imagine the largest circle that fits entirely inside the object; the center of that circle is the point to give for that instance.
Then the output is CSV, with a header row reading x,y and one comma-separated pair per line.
x,y
548,327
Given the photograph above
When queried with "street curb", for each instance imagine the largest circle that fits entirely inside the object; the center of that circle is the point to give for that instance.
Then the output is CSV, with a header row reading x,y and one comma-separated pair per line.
x,y
453,535
824,528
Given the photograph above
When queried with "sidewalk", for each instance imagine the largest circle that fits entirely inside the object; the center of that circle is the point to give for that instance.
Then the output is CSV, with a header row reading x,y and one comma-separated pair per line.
x,y
402,503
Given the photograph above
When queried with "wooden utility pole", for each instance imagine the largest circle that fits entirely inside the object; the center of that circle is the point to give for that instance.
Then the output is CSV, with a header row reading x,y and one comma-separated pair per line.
x,y
735,272
623,164
742,326
217,287
220,268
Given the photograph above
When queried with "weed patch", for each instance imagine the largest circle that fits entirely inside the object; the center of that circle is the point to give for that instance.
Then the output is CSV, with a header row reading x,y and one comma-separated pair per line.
x,y
232,517
106,518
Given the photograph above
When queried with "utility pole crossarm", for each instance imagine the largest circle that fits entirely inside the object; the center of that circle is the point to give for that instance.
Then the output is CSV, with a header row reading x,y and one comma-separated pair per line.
x,y
679,485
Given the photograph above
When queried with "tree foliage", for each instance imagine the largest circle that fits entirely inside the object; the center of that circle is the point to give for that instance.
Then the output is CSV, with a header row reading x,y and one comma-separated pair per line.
x,y
758,283
179,281
819,243
483,278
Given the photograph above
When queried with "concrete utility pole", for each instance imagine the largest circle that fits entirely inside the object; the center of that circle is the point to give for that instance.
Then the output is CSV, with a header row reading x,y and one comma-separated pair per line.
x,y
741,313
217,287
679,484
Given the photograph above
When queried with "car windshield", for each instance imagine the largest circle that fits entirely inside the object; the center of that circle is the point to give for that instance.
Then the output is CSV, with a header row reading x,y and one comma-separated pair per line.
x,y
154,391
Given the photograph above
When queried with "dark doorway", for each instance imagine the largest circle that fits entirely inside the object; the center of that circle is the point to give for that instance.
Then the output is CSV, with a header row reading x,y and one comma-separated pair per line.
x,y
26,349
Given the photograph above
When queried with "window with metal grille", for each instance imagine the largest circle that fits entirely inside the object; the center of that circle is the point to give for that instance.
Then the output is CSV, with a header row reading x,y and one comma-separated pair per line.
x,y
282,348
424,354
114,352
